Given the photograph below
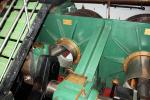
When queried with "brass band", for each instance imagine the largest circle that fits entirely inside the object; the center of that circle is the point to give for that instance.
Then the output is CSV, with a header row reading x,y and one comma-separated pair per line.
x,y
134,56
72,47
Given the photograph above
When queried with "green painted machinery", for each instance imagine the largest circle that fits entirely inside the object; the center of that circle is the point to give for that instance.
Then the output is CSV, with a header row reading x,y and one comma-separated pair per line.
x,y
105,46
105,54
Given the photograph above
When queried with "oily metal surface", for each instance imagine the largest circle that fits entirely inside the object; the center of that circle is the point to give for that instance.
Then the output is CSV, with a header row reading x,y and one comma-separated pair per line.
x,y
137,65
85,13
137,68
134,56
72,47
145,18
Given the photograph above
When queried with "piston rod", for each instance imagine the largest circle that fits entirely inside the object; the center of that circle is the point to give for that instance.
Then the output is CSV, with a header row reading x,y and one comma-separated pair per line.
x,y
57,50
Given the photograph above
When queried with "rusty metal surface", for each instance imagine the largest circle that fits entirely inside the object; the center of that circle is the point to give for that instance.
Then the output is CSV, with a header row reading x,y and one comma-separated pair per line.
x,y
85,13
145,18
3,4
128,2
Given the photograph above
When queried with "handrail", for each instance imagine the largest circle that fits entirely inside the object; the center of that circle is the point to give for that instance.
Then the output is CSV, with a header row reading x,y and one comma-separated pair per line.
x,y
16,45
11,30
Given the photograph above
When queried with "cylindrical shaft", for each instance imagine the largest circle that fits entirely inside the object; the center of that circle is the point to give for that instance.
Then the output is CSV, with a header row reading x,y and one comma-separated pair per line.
x,y
57,50
51,87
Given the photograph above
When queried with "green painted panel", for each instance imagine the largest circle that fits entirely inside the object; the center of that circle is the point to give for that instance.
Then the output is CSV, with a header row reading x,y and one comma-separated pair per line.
x,y
20,3
20,26
9,47
79,31
8,24
124,39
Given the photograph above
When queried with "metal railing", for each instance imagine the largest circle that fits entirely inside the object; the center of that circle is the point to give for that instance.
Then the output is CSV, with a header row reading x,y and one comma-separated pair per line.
x,y
27,24
7,13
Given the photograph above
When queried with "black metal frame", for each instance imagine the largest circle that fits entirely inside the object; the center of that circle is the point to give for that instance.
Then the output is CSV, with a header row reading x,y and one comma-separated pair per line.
x,y
17,63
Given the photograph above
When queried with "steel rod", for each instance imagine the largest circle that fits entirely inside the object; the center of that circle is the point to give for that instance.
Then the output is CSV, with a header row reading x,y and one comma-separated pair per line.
x,y
11,30
127,6
26,12
128,2
6,14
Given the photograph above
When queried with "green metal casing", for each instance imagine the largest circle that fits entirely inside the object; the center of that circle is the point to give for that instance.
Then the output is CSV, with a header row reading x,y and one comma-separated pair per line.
x,y
104,45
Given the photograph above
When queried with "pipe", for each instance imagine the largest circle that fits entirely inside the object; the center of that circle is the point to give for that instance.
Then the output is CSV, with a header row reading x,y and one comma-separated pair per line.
x,y
7,12
127,6
26,12
121,2
57,50
51,87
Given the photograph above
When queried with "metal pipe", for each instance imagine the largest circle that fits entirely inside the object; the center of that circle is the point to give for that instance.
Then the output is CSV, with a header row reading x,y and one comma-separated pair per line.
x,y
7,12
26,12
11,30
121,2
57,50
51,87
126,6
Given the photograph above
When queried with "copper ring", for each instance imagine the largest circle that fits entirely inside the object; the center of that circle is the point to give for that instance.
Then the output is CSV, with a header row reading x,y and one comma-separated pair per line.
x,y
72,47
133,56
